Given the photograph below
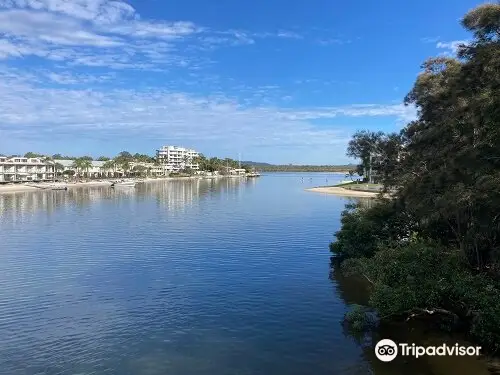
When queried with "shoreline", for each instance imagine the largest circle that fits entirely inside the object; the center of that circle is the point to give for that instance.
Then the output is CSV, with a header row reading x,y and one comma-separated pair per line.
x,y
24,187
335,190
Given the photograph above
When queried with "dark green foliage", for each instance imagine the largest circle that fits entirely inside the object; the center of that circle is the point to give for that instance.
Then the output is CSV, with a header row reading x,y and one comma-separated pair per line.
x,y
364,230
33,155
411,281
434,250
359,318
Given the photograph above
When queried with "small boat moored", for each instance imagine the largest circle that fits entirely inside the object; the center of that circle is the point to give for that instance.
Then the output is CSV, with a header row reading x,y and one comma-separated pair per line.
x,y
253,174
123,184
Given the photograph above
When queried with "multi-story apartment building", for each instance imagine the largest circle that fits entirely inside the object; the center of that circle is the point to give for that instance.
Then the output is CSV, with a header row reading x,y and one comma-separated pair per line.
x,y
16,169
175,158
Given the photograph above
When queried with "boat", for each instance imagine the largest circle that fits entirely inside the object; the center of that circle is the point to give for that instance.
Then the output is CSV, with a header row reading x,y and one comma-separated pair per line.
x,y
123,184
253,174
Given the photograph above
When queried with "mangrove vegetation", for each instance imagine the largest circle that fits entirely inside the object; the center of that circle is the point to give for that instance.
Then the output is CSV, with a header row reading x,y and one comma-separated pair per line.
x,y
432,251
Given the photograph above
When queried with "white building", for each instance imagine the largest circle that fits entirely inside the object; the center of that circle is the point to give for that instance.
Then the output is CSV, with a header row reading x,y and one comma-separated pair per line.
x,y
175,158
18,169
98,169
95,170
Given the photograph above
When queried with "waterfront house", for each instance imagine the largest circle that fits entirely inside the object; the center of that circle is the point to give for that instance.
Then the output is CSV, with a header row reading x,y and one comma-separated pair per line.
x,y
237,172
20,169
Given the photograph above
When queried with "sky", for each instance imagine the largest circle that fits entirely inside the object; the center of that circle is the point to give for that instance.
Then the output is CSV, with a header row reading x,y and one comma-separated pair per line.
x,y
274,81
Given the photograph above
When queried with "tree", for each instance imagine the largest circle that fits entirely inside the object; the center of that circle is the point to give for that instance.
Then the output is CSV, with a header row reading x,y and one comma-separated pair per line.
x,y
125,155
58,167
33,155
86,165
125,166
364,145
77,166
109,166
57,156
103,158
445,169
81,164
139,170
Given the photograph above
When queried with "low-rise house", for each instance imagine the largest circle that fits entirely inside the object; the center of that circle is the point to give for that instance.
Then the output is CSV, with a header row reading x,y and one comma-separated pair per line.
x,y
237,172
19,169
95,170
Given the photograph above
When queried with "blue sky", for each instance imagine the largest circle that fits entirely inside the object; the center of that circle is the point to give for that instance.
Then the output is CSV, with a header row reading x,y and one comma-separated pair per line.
x,y
277,81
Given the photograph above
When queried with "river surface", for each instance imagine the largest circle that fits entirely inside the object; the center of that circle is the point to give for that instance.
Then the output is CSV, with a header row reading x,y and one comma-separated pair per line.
x,y
183,277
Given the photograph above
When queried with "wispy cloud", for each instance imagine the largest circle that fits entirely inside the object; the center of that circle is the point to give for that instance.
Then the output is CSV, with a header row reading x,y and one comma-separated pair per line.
x,y
156,114
451,48
70,78
429,39
333,41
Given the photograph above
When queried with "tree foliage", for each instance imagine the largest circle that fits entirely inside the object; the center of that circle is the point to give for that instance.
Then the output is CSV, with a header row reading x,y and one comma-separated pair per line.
x,y
441,254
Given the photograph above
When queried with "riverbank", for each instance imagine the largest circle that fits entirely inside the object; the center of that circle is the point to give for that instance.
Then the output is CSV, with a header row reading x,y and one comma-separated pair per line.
x,y
336,190
30,186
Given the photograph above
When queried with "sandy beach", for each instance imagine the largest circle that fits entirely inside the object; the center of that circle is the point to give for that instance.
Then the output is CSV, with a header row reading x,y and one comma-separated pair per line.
x,y
343,192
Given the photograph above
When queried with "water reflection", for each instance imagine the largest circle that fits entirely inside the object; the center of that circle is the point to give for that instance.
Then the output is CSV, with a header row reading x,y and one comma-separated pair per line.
x,y
172,195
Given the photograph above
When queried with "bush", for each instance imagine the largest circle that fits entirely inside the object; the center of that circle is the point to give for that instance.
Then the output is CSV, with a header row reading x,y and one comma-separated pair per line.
x,y
424,280
359,318
365,229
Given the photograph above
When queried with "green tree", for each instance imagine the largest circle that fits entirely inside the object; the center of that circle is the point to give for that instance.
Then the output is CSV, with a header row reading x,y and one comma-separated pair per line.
x,y
33,155
58,168
435,250
103,158
139,170
85,165
77,166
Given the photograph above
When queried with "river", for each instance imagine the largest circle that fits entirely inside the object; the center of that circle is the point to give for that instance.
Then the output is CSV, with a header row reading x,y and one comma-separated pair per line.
x,y
225,276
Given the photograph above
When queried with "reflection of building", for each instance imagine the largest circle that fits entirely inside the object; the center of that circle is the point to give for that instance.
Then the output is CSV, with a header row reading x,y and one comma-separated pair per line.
x,y
16,169
176,158
175,195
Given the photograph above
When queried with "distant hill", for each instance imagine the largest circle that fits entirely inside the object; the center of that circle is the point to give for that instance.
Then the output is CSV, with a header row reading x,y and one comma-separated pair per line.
x,y
256,164
266,167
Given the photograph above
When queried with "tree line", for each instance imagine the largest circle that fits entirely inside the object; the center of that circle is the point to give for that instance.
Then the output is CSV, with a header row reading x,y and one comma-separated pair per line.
x,y
306,168
124,160
433,249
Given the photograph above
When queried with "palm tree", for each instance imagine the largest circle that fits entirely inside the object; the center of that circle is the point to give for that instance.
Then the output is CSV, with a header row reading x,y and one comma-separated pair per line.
x,y
86,165
109,165
77,166
125,165
58,167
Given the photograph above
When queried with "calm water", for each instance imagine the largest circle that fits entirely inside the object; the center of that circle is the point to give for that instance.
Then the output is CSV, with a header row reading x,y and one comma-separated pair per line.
x,y
180,277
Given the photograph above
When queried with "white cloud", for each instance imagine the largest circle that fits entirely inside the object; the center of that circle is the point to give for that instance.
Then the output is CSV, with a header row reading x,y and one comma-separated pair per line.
x,y
98,11
161,30
46,27
159,114
453,46
69,78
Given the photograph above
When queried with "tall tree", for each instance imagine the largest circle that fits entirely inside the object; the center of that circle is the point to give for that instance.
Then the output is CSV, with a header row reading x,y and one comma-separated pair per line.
x,y
365,145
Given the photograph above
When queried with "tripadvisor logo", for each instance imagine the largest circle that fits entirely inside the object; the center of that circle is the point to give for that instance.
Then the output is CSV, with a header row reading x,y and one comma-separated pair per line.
x,y
386,350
